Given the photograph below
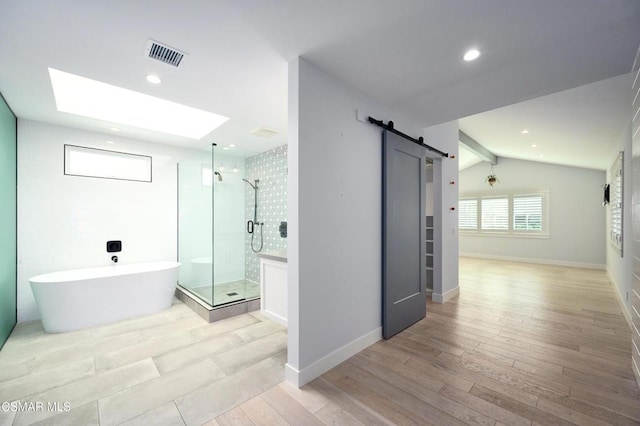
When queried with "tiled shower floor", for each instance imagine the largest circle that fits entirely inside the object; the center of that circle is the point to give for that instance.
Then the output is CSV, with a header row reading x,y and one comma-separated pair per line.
x,y
223,293
167,368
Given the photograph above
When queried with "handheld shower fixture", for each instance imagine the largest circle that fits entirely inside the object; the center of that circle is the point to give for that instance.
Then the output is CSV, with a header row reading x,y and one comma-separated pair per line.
x,y
252,223
219,176
252,185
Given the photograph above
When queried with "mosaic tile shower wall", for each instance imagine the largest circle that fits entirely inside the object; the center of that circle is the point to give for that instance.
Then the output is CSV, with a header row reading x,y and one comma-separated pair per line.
x,y
271,168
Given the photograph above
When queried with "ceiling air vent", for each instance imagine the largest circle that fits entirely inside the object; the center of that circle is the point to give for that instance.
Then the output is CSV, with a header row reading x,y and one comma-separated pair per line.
x,y
263,132
163,53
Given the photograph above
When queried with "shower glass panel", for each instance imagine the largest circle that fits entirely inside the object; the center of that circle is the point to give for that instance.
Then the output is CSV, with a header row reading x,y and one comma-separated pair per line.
x,y
212,228
195,225
228,229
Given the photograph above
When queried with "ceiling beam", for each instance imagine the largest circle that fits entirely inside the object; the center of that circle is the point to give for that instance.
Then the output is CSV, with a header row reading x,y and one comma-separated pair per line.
x,y
472,145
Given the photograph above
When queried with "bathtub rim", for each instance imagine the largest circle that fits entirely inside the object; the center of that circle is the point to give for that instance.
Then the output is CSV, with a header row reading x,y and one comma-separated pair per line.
x,y
99,272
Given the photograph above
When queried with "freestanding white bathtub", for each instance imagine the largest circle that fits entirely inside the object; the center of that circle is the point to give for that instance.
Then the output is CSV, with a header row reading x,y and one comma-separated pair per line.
x,y
71,300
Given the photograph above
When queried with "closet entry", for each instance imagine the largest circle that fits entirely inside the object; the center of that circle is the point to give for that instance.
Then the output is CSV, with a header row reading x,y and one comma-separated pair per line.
x,y
404,226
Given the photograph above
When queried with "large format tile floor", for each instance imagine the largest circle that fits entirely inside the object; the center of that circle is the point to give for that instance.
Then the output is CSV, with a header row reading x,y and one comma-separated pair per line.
x,y
522,345
168,368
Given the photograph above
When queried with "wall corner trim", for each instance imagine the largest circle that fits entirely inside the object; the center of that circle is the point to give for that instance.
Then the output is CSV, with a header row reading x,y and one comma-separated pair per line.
x,y
300,378
444,298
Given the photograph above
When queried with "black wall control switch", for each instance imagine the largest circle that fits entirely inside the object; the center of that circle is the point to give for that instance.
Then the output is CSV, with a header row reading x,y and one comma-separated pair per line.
x,y
283,229
114,246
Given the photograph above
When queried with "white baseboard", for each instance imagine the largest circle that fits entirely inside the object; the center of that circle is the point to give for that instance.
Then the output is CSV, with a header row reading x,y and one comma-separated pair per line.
x,y
301,377
537,261
620,297
444,298
274,317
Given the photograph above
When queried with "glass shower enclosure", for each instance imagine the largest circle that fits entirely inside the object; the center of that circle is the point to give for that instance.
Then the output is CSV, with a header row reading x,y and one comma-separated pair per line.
x,y
212,228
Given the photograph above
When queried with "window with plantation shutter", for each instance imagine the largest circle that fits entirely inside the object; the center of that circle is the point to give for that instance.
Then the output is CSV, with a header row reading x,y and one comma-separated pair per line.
x,y
468,214
527,213
520,215
615,202
495,214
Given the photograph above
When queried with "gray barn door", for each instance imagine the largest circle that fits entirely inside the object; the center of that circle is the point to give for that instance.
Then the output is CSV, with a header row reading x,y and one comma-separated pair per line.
x,y
403,234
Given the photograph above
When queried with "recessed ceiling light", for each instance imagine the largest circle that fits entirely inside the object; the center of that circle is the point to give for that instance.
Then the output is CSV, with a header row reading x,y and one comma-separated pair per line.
x,y
94,99
525,132
114,129
471,55
232,145
534,145
153,79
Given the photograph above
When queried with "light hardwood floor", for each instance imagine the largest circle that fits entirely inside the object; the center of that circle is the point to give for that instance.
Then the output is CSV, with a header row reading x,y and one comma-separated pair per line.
x,y
522,345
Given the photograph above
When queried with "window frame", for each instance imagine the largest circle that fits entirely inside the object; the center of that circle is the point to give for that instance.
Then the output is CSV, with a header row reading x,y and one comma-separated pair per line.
x,y
616,204
513,212
476,227
481,228
545,232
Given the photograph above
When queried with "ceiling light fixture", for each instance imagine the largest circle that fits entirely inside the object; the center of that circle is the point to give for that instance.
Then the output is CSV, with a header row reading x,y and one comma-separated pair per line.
x,y
492,179
225,148
534,146
471,55
525,132
232,145
153,79
94,99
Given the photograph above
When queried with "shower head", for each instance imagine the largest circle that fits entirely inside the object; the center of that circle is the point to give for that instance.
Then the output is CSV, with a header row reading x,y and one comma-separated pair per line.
x,y
219,176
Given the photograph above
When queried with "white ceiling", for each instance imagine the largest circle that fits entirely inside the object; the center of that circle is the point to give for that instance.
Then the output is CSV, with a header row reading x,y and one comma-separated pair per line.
x,y
579,127
405,54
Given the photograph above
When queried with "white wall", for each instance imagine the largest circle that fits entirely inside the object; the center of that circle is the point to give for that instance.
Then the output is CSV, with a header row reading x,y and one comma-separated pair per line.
x,y
64,222
334,204
577,236
620,269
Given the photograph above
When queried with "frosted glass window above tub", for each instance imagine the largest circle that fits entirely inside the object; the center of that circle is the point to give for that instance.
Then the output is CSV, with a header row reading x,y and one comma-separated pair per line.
x,y
101,163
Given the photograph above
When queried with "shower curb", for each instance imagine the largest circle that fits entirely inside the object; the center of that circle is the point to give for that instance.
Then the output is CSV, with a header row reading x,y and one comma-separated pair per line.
x,y
212,314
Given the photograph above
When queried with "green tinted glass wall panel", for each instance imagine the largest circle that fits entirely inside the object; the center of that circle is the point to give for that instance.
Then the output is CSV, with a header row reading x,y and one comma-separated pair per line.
x,y
8,144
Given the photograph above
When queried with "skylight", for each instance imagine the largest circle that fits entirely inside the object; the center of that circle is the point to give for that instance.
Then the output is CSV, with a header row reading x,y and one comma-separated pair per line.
x,y
94,99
